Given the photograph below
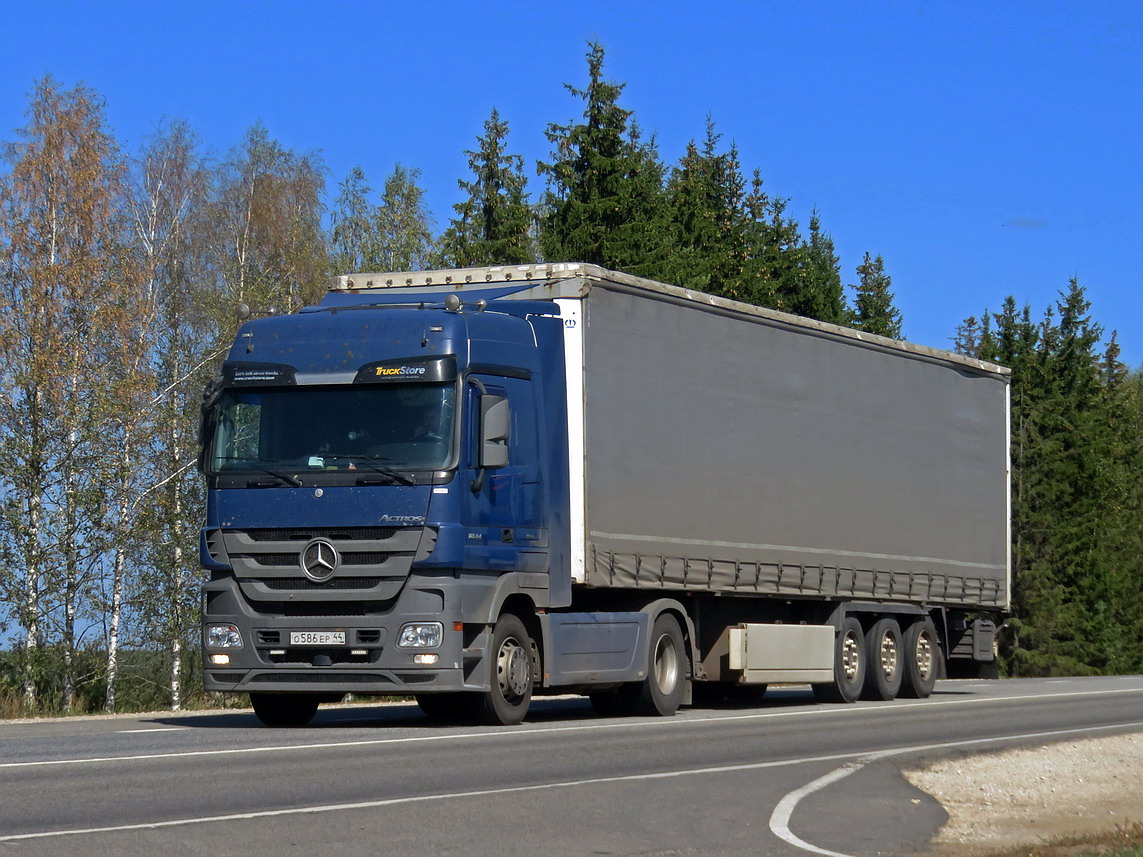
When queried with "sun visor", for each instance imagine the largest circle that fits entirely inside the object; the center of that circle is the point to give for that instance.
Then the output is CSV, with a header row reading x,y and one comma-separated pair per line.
x,y
258,375
424,370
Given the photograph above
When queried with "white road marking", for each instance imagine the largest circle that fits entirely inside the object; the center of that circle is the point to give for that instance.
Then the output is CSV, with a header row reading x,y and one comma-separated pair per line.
x,y
151,729
861,759
780,818
784,810
816,711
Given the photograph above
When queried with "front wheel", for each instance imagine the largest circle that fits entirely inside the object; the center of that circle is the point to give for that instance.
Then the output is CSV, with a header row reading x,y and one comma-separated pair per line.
x,y
661,693
507,701
284,709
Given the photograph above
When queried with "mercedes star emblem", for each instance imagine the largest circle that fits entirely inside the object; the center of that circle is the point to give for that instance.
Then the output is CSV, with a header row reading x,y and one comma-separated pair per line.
x,y
319,560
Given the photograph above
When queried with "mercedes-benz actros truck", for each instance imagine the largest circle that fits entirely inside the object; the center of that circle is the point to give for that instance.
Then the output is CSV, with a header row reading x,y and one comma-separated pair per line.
x,y
475,486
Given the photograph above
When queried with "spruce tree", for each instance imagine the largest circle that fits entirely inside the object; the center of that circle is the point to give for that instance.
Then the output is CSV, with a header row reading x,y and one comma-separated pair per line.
x,y
816,291
874,309
770,250
494,223
604,202
1076,528
705,195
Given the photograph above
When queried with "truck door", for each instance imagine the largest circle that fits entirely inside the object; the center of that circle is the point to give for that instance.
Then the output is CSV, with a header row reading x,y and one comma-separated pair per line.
x,y
505,513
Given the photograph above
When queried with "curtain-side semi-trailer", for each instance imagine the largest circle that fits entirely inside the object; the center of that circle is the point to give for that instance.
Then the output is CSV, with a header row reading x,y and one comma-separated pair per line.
x,y
476,485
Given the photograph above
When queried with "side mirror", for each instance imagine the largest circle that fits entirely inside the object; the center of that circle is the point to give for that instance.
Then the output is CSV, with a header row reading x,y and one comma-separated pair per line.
x,y
495,421
210,397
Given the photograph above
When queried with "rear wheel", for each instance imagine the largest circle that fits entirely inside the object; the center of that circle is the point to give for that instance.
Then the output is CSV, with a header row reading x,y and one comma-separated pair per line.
x,y
284,709
848,665
661,692
922,657
883,660
506,703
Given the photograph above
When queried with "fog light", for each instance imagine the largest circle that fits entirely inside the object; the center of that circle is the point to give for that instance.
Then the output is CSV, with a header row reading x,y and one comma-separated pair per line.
x,y
223,637
220,660
427,660
420,635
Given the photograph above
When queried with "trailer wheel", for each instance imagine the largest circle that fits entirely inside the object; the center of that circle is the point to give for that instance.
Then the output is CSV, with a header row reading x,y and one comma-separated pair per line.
x,y
284,709
922,659
883,660
506,703
848,665
661,692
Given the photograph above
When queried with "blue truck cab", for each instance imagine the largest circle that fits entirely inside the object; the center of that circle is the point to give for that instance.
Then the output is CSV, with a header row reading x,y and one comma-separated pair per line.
x,y
385,478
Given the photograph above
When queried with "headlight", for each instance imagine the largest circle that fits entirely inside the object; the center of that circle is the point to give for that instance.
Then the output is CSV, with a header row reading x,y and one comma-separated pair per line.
x,y
421,635
223,637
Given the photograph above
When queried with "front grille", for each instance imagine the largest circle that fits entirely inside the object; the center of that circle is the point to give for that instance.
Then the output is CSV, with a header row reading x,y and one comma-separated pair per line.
x,y
361,558
275,560
323,608
296,583
331,533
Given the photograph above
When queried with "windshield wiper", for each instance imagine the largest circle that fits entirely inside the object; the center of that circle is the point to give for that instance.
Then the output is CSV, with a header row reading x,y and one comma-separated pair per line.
x,y
289,480
388,472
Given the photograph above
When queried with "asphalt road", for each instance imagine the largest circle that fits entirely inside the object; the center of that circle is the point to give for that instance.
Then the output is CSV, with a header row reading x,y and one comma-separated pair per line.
x,y
782,777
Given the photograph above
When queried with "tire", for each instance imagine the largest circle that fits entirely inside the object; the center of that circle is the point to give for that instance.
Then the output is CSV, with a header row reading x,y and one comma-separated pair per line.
x,y
922,651
443,706
884,660
511,675
848,665
668,667
284,710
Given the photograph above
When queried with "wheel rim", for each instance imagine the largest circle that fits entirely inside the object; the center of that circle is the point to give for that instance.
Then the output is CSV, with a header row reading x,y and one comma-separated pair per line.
x,y
850,656
666,665
889,655
924,655
512,670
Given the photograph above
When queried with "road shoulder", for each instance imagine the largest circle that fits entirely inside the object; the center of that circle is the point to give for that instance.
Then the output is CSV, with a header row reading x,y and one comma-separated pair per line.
x,y
1032,795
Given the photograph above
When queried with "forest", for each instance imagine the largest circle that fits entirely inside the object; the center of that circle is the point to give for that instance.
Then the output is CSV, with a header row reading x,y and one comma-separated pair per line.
x,y
120,271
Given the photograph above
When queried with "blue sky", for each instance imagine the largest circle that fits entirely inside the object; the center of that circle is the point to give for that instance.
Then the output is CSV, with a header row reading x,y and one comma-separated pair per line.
x,y
983,148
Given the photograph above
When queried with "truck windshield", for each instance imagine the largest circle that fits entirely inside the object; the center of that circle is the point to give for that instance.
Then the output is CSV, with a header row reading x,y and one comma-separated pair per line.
x,y
390,427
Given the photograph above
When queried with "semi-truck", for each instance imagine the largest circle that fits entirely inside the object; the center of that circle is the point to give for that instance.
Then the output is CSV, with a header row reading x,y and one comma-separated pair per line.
x,y
479,485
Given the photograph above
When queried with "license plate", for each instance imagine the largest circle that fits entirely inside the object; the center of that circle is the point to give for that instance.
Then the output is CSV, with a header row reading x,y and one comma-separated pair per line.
x,y
317,638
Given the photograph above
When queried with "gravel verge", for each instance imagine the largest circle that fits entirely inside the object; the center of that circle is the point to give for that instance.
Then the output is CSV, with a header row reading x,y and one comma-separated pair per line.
x,y
1028,796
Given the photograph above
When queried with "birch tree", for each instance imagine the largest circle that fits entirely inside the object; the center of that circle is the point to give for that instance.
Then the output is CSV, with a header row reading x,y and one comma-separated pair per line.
x,y
62,253
169,184
268,248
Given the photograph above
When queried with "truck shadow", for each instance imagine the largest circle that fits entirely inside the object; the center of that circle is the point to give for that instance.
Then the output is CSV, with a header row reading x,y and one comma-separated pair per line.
x,y
407,715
